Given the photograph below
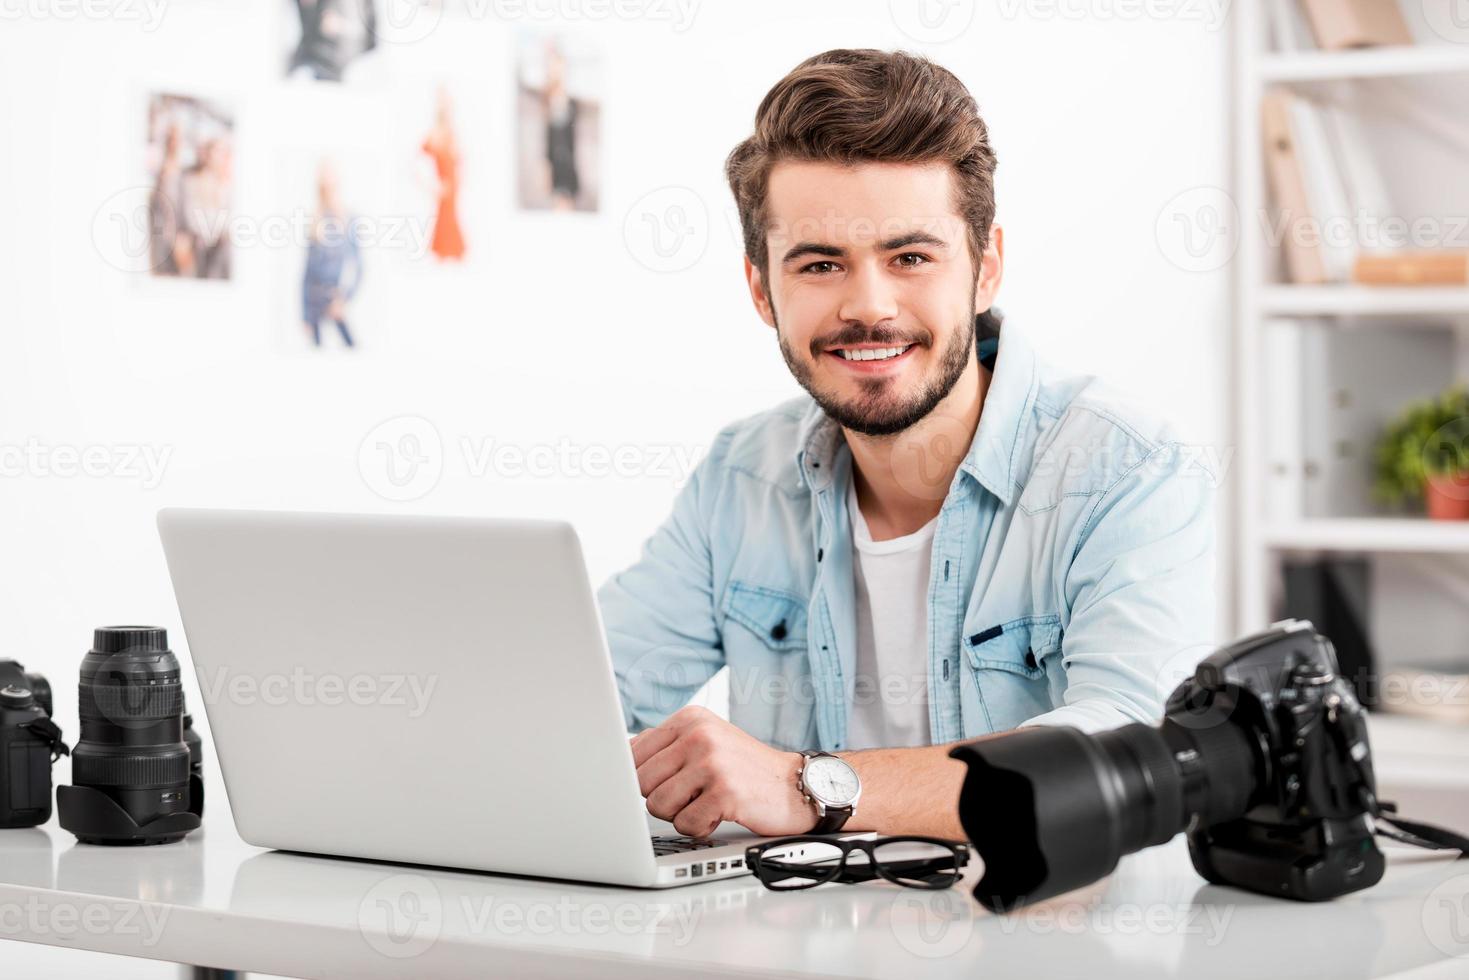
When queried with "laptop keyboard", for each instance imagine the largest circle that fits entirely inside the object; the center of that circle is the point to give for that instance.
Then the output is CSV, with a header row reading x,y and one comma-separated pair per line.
x,y
678,845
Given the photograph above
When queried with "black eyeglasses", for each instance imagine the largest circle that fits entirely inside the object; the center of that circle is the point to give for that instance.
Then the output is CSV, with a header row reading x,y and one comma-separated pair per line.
x,y
792,863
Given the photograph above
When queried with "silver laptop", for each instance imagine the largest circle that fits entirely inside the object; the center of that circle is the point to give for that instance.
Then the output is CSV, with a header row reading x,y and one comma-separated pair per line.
x,y
420,689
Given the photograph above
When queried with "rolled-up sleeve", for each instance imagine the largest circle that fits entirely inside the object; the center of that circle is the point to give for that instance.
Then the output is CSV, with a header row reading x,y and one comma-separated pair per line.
x,y
1140,593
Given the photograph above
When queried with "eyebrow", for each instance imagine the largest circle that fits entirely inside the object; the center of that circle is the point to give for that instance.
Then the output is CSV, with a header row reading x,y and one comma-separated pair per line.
x,y
890,245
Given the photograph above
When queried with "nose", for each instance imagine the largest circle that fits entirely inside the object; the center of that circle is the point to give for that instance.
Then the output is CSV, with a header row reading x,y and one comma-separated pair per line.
x,y
868,297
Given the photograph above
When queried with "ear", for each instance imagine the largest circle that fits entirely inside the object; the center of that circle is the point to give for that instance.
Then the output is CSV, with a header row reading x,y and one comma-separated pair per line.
x,y
991,270
758,295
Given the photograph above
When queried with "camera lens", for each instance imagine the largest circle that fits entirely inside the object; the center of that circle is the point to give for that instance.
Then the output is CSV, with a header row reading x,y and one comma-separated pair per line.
x,y
132,748
1052,809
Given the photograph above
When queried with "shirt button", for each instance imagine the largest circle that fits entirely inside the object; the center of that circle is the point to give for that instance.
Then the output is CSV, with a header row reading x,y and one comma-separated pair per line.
x,y
778,631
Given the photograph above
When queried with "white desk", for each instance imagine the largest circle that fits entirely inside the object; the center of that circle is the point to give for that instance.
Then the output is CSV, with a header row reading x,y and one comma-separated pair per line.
x,y
214,901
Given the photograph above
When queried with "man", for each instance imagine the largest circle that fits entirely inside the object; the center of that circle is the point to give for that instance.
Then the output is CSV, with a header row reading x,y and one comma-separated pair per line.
x,y
946,539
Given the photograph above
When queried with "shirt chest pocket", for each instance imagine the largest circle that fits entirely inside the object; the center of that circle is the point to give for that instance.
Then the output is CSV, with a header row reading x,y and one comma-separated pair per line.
x,y
1007,668
776,619
770,690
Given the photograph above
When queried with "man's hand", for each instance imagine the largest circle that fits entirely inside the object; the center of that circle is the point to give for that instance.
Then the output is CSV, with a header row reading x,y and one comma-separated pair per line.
x,y
696,769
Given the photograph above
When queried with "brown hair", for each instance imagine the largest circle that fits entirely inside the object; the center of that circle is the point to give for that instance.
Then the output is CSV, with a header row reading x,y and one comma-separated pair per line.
x,y
852,106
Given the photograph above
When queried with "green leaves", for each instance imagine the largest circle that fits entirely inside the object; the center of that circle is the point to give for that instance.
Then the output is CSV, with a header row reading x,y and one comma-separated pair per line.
x,y
1430,438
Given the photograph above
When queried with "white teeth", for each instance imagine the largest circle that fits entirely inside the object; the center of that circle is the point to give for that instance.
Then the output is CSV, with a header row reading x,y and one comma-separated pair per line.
x,y
874,353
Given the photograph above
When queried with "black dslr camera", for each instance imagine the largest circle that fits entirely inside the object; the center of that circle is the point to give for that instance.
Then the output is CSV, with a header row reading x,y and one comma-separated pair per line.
x,y
1262,757
29,743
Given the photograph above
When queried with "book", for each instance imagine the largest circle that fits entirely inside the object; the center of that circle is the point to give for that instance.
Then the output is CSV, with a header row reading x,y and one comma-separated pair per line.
x,y
1326,193
1415,267
1342,24
1304,262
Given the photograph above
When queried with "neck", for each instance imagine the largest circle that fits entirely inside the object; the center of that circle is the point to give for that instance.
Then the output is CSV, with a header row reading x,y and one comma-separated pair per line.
x,y
902,479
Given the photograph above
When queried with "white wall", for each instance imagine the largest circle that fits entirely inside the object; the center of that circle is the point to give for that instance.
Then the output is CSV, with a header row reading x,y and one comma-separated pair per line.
x,y
557,330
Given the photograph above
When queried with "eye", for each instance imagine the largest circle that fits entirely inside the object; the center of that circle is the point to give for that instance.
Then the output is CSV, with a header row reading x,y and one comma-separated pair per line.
x,y
912,260
819,268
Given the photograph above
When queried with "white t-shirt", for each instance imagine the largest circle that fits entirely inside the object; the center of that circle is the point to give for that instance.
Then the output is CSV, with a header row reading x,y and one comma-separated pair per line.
x,y
890,696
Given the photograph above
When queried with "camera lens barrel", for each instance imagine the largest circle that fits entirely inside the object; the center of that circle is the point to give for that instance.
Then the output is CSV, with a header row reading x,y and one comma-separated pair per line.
x,y
1050,809
132,748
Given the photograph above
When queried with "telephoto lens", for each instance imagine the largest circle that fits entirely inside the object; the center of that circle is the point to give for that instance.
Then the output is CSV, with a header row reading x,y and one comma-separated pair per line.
x,y
131,766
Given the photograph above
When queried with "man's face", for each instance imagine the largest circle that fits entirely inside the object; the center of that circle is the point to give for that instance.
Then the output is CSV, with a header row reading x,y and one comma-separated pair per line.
x,y
871,288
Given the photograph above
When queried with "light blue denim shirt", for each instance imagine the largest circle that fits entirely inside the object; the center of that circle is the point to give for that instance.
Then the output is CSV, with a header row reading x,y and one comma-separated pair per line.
x,y
1072,580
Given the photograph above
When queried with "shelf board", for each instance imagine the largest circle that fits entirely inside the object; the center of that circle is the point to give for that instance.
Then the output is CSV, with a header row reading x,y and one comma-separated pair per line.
x,y
1381,534
1385,62
1357,300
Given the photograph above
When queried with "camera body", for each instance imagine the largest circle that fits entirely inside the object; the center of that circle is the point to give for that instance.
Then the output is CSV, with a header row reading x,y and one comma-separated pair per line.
x,y
12,674
28,743
1308,831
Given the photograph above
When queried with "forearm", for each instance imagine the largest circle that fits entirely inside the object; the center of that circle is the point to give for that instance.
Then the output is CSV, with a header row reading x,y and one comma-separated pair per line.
x,y
908,791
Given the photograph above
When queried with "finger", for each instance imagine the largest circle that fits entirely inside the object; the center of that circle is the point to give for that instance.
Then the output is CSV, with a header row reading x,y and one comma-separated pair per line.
x,y
663,766
674,794
700,818
650,743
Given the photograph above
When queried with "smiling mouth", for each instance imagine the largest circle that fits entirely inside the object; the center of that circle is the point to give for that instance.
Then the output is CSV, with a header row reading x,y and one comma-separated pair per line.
x,y
871,353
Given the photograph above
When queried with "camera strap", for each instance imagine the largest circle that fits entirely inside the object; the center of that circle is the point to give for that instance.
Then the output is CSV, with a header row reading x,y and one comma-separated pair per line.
x,y
1418,834
47,731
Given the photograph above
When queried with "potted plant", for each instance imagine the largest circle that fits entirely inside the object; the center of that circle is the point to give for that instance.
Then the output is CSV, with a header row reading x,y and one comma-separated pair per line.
x,y
1424,454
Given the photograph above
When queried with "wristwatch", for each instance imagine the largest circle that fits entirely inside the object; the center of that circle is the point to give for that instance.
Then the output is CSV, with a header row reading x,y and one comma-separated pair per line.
x,y
831,785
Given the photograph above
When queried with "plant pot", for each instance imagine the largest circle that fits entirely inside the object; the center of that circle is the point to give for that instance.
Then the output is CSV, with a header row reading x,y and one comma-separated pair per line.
x,y
1446,496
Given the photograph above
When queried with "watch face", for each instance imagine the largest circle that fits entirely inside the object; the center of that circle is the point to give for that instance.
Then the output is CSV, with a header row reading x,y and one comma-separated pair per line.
x,y
831,781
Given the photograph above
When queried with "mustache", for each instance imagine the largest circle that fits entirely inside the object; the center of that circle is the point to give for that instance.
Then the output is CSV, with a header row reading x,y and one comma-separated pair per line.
x,y
859,334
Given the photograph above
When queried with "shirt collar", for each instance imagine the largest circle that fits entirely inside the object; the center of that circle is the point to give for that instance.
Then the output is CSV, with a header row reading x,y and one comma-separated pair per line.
x,y
992,453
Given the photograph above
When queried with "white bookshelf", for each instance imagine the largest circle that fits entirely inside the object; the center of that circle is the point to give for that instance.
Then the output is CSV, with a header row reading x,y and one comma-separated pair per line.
x,y
1397,62
1353,300
1367,535
1262,538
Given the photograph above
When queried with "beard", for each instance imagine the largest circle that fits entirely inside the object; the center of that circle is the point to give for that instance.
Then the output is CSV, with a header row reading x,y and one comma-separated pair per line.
x,y
879,410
